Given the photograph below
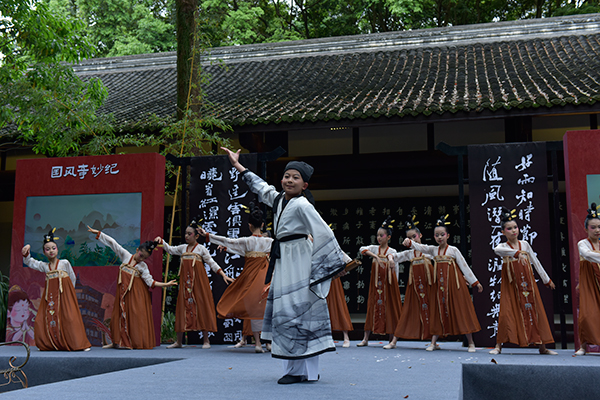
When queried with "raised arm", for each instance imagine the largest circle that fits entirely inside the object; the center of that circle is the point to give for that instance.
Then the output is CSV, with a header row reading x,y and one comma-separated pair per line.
x,y
103,238
173,250
587,253
423,248
32,262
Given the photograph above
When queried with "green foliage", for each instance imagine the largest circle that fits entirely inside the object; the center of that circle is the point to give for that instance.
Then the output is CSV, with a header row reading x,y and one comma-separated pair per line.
x,y
167,330
44,103
124,27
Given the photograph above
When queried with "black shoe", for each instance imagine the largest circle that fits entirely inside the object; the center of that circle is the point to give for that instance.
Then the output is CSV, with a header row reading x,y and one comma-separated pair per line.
x,y
287,379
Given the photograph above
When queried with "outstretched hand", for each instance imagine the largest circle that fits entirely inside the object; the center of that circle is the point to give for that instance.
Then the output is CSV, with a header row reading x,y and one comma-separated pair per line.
x,y
479,288
227,279
25,250
234,158
201,231
94,231
406,242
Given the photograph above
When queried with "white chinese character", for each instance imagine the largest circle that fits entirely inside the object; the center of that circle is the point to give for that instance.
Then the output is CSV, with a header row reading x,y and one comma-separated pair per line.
x,y
525,162
495,311
213,212
212,175
56,172
526,179
234,174
82,170
490,173
493,194
235,220
523,197
233,193
97,170
494,326
208,189
233,233
70,171
205,202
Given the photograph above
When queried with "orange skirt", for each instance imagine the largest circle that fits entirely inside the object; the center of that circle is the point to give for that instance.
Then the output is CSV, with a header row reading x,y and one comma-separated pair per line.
x,y
195,309
452,312
416,313
242,299
589,302
58,325
338,309
385,304
131,323
522,319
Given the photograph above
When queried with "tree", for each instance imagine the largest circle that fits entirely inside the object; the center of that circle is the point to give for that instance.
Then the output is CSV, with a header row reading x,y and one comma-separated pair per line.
x,y
43,102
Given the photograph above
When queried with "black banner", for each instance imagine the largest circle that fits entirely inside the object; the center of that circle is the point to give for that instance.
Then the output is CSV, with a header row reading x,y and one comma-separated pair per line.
x,y
216,194
513,176
355,224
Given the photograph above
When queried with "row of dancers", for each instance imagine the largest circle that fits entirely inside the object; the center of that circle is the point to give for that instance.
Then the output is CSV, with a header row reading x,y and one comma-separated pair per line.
x,y
300,265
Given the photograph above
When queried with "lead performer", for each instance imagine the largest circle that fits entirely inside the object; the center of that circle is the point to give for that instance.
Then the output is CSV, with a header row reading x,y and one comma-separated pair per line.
x,y
296,318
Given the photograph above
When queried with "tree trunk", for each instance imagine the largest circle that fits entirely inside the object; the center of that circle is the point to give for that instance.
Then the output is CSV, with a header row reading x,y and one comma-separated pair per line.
x,y
186,23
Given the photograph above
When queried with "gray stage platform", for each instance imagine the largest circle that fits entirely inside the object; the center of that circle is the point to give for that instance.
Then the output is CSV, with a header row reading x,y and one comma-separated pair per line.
x,y
223,372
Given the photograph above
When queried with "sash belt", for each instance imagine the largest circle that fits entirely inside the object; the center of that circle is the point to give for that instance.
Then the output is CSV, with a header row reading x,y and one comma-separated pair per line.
x,y
276,253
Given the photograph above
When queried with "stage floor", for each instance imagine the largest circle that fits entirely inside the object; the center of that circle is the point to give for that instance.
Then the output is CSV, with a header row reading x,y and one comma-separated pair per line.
x,y
223,372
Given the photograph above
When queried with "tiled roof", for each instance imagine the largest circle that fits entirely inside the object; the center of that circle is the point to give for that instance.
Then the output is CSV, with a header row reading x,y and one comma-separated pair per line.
x,y
508,65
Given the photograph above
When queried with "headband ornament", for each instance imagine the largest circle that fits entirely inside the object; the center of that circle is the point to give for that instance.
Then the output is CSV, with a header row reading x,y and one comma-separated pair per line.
x,y
411,223
49,237
593,211
442,221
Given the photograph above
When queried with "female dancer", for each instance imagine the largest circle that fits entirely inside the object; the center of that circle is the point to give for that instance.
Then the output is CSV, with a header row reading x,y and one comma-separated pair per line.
x,y
243,298
416,312
131,324
296,317
589,281
195,310
453,312
385,303
58,325
522,319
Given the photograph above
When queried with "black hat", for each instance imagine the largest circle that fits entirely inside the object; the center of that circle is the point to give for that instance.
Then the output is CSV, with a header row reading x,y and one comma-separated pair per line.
x,y
305,170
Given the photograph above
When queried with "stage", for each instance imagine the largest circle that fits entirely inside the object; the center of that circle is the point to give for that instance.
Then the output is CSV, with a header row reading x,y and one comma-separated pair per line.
x,y
223,372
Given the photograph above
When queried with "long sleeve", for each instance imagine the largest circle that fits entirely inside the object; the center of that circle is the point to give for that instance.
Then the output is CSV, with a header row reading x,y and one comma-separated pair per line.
x,y
243,245
65,265
535,262
372,248
424,248
462,264
266,193
206,258
404,256
36,264
586,252
174,250
146,276
504,250
123,254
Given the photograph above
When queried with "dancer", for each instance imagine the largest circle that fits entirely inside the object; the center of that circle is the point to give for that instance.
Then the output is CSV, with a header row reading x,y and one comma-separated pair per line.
x,y
296,317
131,323
58,325
452,312
415,319
522,318
195,310
385,303
338,308
589,281
243,298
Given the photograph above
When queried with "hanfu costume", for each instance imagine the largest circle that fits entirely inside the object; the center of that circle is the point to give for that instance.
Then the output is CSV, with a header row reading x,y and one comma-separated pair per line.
x,y
296,318
58,325
452,311
131,322
338,308
384,305
195,310
522,319
589,293
243,298
415,319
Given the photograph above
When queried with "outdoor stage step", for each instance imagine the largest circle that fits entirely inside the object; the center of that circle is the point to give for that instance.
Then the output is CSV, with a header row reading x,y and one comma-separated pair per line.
x,y
45,370
500,381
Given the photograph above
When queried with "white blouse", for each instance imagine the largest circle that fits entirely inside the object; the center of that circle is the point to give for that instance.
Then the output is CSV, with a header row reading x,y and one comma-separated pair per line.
x,y
199,249
504,250
451,251
242,245
125,256
63,265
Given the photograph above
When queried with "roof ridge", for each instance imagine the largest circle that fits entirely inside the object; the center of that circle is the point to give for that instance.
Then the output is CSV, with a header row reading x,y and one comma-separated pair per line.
x,y
432,37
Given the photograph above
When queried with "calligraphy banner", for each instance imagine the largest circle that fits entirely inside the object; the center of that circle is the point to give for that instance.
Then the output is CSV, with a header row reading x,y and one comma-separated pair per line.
x,y
216,195
513,176
355,224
